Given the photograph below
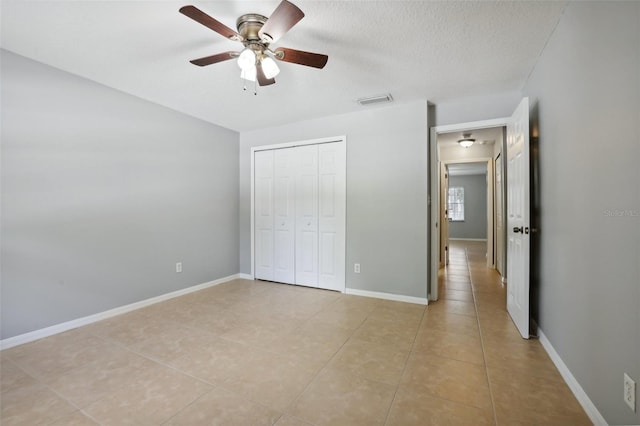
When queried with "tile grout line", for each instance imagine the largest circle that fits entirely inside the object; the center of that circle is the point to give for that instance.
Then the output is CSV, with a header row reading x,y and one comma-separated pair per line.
x,y
213,385
406,363
484,358
321,369
41,382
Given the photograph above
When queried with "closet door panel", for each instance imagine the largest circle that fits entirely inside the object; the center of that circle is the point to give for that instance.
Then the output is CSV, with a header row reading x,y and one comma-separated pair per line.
x,y
306,251
284,215
264,232
331,221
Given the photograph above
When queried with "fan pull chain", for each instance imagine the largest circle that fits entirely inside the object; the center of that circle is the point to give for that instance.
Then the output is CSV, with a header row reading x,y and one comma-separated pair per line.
x,y
255,87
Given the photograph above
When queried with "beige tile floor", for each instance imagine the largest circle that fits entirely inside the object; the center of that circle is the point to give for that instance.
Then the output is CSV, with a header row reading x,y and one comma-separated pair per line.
x,y
256,353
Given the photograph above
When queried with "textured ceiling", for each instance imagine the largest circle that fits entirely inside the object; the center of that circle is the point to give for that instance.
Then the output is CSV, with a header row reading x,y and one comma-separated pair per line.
x,y
411,49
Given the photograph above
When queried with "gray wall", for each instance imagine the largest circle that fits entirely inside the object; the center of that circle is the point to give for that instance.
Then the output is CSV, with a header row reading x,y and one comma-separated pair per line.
x,y
102,193
587,89
474,225
386,193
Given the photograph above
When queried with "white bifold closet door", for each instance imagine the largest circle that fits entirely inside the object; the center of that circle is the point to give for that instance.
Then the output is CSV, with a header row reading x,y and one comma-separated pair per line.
x,y
300,215
331,216
263,214
284,215
307,215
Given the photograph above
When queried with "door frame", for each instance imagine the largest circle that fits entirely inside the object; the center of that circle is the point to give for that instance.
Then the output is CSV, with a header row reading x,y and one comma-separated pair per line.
x,y
434,165
490,196
500,242
254,149
444,223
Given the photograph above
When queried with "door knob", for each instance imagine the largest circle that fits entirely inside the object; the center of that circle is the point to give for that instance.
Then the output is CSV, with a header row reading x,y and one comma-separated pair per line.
x,y
517,230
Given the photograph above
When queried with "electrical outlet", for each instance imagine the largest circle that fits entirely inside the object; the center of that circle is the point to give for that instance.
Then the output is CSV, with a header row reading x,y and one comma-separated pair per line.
x,y
356,268
179,267
630,392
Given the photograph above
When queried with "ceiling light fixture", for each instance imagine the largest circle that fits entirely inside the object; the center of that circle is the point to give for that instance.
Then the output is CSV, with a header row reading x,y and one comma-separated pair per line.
x,y
269,67
257,60
247,59
248,74
466,140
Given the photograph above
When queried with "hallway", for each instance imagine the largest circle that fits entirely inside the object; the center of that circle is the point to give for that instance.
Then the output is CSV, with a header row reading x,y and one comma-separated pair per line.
x,y
523,383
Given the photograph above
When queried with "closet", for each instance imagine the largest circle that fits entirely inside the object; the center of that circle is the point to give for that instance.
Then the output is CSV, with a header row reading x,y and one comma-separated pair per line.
x,y
299,204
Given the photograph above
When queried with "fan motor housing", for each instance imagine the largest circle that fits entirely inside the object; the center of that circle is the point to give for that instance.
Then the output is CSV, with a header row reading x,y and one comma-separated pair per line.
x,y
249,25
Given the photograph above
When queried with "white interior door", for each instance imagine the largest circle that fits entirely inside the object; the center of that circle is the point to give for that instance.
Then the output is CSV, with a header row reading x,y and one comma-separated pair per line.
x,y
444,215
263,214
518,237
306,252
331,179
499,217
284,215
434,215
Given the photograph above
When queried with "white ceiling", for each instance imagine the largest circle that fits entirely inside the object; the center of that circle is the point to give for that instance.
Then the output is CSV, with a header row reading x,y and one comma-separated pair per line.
x,y
435,50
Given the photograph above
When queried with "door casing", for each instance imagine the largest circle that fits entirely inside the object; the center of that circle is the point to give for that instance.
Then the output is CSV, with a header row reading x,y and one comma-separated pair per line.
x,y
434,165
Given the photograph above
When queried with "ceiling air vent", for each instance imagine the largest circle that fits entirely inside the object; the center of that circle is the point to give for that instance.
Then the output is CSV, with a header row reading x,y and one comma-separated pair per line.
x,y
375,99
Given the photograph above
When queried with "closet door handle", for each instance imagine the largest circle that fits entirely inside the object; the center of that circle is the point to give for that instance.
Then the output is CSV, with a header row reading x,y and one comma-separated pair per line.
x,y
516,229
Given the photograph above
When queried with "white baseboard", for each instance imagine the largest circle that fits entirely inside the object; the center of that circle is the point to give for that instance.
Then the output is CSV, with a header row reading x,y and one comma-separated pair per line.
x,y
467,239
582,397
387,296
245,276
70,325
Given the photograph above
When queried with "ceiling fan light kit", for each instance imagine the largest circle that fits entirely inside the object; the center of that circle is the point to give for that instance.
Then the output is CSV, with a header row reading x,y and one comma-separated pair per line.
x,y
256,32
247,59
270,67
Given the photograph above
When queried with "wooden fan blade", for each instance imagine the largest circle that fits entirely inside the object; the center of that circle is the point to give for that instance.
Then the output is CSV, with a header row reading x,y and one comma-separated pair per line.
x,y
282,20
294,56
262,79
213,59
209,22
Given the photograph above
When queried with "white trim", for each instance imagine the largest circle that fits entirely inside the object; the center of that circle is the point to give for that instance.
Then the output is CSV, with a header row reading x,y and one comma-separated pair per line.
x,y
79,322
387,296
490,197
245,276
298,143
472,125
468,239
434,166
470,160
434,213
252,213
582,397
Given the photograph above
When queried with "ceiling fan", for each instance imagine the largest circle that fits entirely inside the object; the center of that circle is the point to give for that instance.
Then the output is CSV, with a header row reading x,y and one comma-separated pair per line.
x,y
256,33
